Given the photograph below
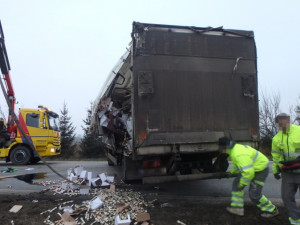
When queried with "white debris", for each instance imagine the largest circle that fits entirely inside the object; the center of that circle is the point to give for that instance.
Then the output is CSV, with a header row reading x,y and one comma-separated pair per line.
x,y
96,203
118,221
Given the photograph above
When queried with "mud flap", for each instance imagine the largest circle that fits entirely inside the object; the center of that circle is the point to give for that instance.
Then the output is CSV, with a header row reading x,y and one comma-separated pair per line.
x,y
130,169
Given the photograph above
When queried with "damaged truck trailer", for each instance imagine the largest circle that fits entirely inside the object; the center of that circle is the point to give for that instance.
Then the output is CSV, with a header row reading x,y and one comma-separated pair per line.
x,y
172,95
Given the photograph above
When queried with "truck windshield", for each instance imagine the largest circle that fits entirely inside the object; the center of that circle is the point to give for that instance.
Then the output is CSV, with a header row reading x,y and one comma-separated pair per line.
x,y
53,123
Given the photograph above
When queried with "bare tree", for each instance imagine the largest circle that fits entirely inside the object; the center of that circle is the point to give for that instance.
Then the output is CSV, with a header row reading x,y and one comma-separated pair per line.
x,y
297,113
269,108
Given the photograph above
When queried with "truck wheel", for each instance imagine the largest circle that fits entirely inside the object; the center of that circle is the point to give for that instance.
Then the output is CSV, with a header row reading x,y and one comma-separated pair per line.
x,y
20,155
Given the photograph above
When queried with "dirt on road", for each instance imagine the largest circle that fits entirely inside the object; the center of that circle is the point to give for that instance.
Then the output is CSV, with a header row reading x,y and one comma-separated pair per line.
x,y
163,209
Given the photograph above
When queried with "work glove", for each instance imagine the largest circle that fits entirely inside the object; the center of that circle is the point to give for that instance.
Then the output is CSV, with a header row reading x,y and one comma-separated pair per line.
x,y
277,176
240,187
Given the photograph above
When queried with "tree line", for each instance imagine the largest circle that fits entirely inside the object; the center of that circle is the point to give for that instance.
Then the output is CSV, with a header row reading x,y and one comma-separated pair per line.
x,y
89,146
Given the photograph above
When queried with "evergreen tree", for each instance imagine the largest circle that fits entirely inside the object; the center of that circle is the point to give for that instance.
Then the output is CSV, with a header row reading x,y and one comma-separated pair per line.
x,y
90,144
67,132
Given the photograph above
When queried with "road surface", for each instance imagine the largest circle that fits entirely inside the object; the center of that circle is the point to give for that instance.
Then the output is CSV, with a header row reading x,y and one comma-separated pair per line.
x,y
207,188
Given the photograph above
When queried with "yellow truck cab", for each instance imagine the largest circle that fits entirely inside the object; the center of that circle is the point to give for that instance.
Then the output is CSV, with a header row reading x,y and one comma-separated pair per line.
x,y
41,127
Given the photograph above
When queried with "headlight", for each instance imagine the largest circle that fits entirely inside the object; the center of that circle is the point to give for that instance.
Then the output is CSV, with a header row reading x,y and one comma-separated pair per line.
x,y
52,149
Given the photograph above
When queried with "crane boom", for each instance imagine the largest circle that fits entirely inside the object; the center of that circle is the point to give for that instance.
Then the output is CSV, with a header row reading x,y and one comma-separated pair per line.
x,y
5,68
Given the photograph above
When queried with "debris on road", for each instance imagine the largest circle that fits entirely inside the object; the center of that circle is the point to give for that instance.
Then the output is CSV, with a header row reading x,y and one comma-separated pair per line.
x,y
9,170
67,219
163,205
47,182
143,217
119,221
15,208
108,204
181,223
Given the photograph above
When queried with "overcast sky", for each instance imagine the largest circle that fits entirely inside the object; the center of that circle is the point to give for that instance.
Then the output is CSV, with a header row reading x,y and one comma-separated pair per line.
x,y
62,50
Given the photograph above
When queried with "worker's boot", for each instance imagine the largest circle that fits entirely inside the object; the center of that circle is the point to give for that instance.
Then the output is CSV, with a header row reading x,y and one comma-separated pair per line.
x,y
239,211
270,214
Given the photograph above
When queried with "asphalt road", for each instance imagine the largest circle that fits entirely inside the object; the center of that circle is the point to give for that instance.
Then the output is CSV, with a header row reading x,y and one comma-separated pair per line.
x,y
203,188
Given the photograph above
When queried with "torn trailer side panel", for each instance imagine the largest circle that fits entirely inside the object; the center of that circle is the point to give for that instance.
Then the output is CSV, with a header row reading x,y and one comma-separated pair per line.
x,y
178,90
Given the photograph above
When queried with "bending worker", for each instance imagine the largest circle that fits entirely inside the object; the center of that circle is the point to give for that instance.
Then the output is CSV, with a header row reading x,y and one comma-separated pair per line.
x,y
286,160
252,168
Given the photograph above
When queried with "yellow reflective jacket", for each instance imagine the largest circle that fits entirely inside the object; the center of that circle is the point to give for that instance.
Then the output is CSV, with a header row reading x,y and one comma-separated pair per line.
x,y
285,147
246,160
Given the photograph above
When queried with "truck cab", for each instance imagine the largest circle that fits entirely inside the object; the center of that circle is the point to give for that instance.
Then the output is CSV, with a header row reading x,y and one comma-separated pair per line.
x,y
41,127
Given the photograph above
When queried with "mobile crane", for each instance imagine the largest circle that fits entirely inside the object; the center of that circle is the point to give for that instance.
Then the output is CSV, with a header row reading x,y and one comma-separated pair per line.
x,y
40,125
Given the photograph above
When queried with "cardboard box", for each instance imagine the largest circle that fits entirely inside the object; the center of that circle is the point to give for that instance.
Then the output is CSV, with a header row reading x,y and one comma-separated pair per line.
x,y
102,177
84,189
96,203
143,217
89,175
67,219
118,221
112,188
83,174
74,186
72,177
64,185
110,179
78,170
95,182
15,208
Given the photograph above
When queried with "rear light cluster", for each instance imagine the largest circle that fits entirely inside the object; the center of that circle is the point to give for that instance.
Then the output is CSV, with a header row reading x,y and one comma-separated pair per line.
x,y
151,163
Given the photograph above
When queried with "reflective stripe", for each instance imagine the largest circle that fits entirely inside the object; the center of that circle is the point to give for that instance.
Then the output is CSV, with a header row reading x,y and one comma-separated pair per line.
x,y
246,167
237,196
255,157
293,154
279,152
297,222
237,202
261,205
238,193
237,199
265,205
259,182
244,179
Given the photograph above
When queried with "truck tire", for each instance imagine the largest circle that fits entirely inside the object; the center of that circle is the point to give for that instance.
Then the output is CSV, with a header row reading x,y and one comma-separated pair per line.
x,y
20,155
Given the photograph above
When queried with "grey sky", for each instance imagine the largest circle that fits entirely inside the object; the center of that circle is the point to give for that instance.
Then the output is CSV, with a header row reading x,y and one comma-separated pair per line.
x,y
62,50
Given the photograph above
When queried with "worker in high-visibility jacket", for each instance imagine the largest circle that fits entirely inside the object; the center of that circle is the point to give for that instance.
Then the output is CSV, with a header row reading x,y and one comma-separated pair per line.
x,y
286,160
251,167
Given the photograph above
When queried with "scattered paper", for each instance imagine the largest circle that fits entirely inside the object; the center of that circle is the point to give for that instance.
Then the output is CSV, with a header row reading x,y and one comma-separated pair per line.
x,y
16,208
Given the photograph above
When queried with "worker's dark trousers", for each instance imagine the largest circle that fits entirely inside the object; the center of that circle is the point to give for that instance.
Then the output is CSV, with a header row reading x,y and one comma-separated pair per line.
x,y
289,187
255,190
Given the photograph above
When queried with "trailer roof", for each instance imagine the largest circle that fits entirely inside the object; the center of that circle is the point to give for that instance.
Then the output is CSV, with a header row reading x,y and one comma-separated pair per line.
x,y
193,29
